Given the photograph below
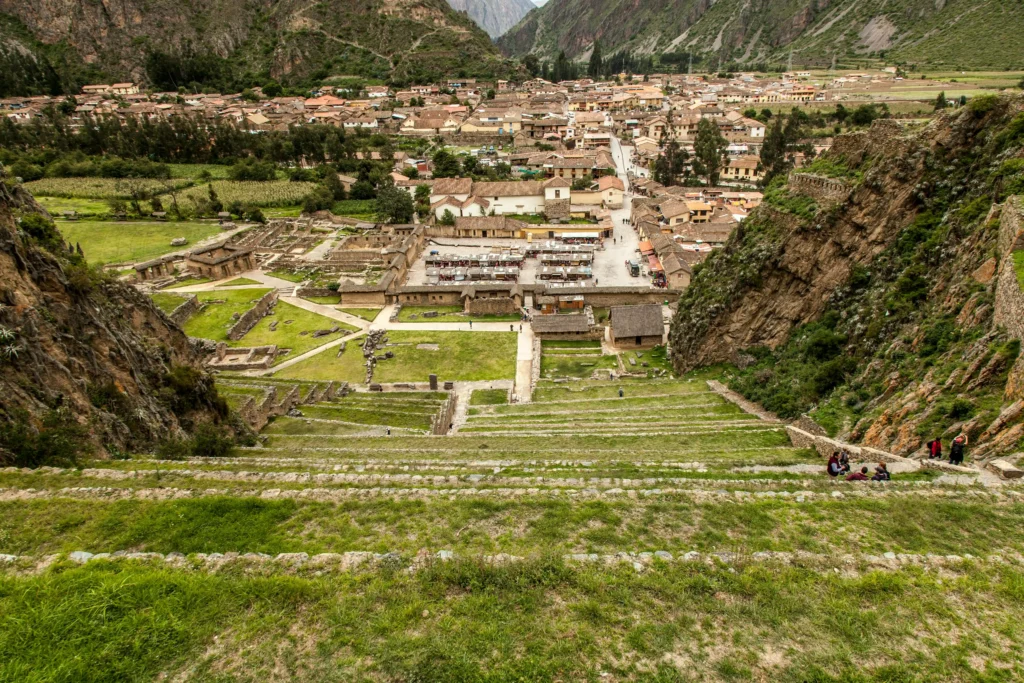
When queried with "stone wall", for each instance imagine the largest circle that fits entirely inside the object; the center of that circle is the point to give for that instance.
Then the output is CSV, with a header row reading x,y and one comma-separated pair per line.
x,y
826,447
557,209
255,314
495,306
185,311
315,291
827,192
1009,310
445,416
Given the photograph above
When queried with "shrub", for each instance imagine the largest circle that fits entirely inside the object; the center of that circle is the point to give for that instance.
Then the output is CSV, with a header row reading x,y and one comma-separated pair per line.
x,y
210,442
961,409
251,169
58,442
172,449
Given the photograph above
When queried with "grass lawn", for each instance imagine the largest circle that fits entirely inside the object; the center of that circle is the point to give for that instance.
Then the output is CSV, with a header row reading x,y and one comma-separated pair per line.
x,y
460,356
167,301
193,171
240,281
188,282
131,241
1018,267
297,335
575,364
328,365
448,314
95,208
489,397
325,300
364,313
290,276
655,358
213,320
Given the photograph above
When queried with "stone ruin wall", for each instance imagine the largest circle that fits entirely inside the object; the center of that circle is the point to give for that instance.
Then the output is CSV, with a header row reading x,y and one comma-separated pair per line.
x,y
255,314
445,416
185,310
827,192
1009,303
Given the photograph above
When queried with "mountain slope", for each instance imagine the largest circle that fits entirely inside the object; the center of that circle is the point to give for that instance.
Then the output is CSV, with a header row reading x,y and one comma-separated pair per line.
x,y
494,16
228,44
876,298
84,350
968,33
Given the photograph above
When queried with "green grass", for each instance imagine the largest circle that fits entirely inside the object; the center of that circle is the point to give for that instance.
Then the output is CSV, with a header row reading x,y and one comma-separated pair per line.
x,y
167,301
297,335
576,364
1018,267
214,319
489,397
329,366
131,241
364,313
360,209
460,356
193,171
290,276
85,208
240,282
449,314
535,621
188,282
325,300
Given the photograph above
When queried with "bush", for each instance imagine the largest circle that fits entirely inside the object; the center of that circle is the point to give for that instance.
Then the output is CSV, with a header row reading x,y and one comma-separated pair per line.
x,y
251,169
57,443
172,449
210,442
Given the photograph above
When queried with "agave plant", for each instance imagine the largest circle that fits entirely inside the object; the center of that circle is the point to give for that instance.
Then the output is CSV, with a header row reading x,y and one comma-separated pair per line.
x,y
9,352
6,334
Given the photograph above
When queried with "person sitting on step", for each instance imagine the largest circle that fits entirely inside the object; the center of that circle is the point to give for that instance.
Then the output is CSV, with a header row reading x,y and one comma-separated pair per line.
x,y
858,476
834,470
881,473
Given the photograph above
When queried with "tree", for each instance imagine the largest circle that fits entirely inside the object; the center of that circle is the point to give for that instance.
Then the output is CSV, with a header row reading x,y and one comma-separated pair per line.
x,y
446,165
333,185
447,218
709,151
363,189
940,101
596,66
532,65
394,205
490,93
272,89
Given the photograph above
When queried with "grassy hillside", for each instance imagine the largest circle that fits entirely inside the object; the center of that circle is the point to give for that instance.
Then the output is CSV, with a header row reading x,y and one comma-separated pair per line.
x,y
957,33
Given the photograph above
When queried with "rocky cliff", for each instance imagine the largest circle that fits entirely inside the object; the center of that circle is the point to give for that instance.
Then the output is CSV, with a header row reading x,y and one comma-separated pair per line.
x,y
494,16
228,44
961,33
94,351
864,289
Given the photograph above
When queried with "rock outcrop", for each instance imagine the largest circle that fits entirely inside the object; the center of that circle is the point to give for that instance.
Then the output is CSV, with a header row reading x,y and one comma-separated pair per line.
x,y
94,349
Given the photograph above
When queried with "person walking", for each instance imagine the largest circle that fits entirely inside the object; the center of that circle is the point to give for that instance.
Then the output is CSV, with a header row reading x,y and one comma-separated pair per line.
x,y
470,324
956,451
621,392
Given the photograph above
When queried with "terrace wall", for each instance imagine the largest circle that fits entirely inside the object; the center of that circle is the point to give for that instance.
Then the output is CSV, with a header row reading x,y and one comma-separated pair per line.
x,y
249,319
185,310
445,416
1009,305
827,192
494,306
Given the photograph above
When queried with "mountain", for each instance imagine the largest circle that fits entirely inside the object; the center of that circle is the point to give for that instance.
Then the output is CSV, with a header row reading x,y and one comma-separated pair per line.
x,y
876,289
494,16
84,359
230,44
954,33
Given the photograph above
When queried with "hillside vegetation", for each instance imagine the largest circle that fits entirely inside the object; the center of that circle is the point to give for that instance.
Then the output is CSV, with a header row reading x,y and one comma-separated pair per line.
x,y
230,44
956,33
872,306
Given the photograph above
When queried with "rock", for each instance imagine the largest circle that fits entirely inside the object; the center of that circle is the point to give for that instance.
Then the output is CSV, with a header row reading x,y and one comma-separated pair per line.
x,y
889,556
179,242
80,556
445,555
8,558
1005,470
662,555
985,272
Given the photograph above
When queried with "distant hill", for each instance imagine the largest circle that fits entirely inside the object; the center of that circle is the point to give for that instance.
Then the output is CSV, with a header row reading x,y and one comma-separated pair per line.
x,y
952,33
228,44
494,16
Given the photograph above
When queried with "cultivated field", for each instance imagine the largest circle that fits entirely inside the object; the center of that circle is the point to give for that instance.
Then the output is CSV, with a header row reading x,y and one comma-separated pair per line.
x,y
662,536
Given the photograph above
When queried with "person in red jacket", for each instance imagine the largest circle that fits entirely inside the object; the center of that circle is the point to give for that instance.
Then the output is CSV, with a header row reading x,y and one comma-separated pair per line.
x,y
935,449
858,476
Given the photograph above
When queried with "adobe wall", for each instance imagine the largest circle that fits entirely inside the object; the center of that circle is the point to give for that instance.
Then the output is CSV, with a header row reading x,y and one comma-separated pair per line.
x,y
374,297
494,306
185,310
249,319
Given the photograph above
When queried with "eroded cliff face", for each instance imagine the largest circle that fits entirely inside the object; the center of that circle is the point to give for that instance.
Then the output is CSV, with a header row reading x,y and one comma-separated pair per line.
x,y
868,298
97,350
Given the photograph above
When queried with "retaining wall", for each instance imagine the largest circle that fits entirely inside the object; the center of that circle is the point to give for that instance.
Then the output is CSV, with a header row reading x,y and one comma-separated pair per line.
x,y
185,310
827,192
1009,305
249,319
445,416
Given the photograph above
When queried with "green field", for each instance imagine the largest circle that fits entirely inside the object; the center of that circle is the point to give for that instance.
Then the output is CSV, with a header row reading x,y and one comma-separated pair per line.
x,y
369,314
329,366
193,171
295,327
214,318
85,208
167,301
459,356
132,241
240,282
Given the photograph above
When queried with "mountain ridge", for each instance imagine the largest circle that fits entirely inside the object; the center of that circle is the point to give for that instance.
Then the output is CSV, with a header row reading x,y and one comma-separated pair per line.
x,y
953,33
494,16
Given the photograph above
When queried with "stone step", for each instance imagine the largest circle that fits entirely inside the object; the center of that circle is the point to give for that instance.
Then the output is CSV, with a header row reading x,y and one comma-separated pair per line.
x,y
640,561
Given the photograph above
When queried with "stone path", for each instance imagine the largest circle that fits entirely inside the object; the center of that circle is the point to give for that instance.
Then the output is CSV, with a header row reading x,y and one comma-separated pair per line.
x,y
327,311
308,354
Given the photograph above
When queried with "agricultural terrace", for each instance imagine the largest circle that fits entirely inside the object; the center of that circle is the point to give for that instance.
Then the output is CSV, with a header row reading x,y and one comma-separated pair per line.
x,y
661,535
